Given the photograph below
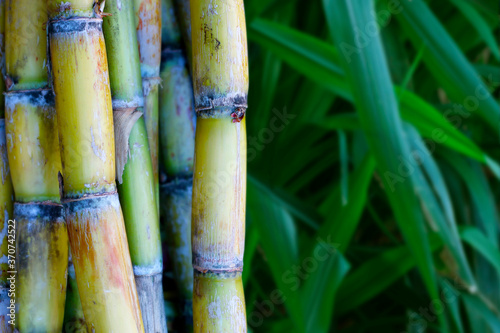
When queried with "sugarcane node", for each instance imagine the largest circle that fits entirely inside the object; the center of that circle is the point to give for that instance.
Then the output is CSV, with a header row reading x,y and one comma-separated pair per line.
x,y
218,273
148,83
74,24
35,97
179,183
88,196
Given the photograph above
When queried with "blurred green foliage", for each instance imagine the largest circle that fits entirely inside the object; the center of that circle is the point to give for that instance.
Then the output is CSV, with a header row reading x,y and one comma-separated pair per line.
x,y
373,136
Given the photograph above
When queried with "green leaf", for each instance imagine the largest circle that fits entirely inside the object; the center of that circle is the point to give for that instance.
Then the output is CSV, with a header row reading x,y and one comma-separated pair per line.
x,y
318,294
375,275
479,24
278,235
447,63
309,56
342,220
379,117
492,318
443,223
476,239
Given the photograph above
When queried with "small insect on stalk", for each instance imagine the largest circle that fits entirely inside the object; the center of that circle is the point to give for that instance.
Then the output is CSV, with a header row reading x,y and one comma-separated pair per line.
x,y
34,156
96,228
220,81
136,182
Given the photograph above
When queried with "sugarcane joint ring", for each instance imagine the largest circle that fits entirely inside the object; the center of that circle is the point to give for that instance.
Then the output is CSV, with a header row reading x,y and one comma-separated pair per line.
x,y
34,97
41,211
74,24
218,274
177,184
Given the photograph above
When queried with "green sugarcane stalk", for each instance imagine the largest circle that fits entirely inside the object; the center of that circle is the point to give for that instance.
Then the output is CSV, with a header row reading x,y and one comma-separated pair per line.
x,y
148,26
177,121
136,178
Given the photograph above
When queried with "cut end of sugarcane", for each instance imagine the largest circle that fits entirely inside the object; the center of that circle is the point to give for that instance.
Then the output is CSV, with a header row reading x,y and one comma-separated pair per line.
x,y
124,120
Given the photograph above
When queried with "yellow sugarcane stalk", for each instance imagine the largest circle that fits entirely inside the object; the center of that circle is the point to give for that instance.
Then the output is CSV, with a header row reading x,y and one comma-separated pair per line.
x,y
34,158
220,80
85,116
6,197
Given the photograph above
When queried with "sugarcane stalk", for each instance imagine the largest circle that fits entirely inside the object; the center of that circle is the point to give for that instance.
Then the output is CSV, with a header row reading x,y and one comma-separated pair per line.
x,y
177,119
177,149
34,157
6,196
6,211
148,26
96,228
183,11
74,320
220,82
136,179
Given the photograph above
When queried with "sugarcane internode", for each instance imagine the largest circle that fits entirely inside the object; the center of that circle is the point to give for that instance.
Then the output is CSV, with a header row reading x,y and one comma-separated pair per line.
x,y
34,157
220,81
96,228
177,130
135,172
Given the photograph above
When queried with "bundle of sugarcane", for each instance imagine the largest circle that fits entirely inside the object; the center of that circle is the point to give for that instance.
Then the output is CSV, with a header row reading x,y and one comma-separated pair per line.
x,y
136,182
34,157
148,25
6,198
177,149
220,81
96,229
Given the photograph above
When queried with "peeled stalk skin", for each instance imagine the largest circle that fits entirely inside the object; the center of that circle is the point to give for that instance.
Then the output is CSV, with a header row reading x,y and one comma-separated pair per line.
x,y
218,303
83,101
219,194
74,321
26,47
6,213
102,264
33,145
42,257
139,204
176,116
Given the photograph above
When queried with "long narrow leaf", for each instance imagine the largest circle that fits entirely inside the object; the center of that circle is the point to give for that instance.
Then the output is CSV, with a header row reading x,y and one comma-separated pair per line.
x,y
379,116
